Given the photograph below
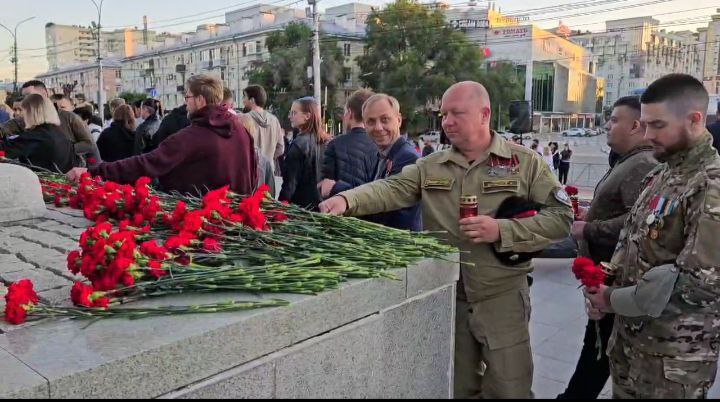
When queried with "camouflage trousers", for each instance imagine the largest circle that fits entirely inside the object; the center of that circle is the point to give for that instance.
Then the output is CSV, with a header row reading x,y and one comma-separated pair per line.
x,y
637,375
493,358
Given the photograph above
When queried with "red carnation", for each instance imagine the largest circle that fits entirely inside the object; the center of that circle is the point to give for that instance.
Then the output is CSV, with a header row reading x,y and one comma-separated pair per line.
x,y
571,190
20,298
211,245
74,262
80,294
589,274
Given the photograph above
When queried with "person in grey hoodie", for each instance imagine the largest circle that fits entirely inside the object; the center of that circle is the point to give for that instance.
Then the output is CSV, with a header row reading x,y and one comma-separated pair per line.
x,y
269,134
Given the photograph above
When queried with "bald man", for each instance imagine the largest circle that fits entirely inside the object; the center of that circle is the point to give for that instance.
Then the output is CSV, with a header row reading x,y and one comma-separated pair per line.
x,y
492,349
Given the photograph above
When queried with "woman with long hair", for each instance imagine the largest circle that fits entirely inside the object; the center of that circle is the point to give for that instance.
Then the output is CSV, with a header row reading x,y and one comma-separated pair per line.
x,y
42,143
304,157
117,141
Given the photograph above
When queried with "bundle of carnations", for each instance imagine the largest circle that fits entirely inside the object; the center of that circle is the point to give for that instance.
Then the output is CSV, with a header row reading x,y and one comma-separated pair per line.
x,y
148,244
573,192
591,276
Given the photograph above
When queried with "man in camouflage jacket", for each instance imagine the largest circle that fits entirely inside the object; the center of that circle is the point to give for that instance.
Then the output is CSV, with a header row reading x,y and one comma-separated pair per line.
x,y
667,326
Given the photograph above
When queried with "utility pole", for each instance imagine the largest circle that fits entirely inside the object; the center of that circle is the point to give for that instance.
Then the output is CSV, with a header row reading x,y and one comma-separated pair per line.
x,y
15,50
101,92
316,51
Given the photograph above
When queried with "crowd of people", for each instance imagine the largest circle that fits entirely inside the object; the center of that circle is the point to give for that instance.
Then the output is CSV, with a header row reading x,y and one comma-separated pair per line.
x,y
652,222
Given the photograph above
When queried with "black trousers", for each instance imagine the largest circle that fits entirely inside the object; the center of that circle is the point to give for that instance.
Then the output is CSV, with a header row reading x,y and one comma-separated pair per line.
x,y
564,170
591,374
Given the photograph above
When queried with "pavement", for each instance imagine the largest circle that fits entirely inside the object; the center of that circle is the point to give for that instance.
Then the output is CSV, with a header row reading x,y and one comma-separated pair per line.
x,y
557,327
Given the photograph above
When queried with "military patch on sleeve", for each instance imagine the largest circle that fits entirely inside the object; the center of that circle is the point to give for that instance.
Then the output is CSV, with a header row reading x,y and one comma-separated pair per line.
x,y
562,197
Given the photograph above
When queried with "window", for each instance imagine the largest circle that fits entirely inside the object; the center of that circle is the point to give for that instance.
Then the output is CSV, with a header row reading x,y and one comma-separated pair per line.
x,y
348,76
258,46
346,49
245,50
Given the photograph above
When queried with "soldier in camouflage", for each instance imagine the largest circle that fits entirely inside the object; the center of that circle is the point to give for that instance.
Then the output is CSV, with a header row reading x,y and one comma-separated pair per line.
x,y
666,294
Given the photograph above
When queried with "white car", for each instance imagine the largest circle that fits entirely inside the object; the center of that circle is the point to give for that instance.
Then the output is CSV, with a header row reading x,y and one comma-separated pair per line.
x,y
574,132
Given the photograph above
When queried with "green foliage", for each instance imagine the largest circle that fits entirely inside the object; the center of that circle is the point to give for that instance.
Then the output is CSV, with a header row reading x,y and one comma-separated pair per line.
x,y
131,97
414,55
284,75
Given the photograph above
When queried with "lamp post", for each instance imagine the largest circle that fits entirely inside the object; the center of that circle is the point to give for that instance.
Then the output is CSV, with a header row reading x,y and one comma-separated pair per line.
x,y
101,93
15,49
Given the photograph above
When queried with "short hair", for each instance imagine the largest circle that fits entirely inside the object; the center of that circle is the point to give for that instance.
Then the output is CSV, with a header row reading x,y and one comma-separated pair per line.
x,y
56,97
633,102
227,95
34,83
124,114
257,94
138,103
39,110
684,91
356,101
381,97
116,102
84,112
150,105
206,86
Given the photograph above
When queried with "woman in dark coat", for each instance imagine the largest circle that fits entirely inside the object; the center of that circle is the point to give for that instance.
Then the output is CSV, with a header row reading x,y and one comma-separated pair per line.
x,y
117,141
42,143
304,158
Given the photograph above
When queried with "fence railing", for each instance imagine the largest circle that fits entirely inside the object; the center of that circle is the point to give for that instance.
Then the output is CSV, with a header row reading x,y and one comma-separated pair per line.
x,y
586,175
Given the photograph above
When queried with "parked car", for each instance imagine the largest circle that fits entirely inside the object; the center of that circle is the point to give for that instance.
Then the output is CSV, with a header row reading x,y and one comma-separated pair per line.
x,y
589,132
574,132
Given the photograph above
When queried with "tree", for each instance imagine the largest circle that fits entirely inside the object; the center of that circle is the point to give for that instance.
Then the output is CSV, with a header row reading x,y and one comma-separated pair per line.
x,y
284,75
413,54
131,97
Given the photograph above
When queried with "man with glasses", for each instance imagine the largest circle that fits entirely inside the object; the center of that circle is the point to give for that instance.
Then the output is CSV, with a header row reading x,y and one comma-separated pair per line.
x,y
214,151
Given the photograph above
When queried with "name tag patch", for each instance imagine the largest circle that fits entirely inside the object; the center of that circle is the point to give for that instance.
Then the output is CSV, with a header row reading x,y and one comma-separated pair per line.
x,y
438,183
494,186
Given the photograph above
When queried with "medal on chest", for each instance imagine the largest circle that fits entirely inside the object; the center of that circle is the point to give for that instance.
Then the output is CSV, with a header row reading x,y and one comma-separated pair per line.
x,y
660,207
502,167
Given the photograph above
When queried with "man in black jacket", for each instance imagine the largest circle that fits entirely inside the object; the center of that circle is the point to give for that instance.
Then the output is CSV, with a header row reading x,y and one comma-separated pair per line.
x,y
350,159
171,124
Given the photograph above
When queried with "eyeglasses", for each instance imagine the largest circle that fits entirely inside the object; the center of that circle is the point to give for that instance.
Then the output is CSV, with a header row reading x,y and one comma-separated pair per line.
x,y
189,96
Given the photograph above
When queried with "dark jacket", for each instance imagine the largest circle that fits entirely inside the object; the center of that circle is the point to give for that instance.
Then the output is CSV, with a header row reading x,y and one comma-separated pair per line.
x,y
116,142
45,146
350,160
171,124
214,151
427,150
144,134
12,127
302,171
401,154
615,195
715,132
76,132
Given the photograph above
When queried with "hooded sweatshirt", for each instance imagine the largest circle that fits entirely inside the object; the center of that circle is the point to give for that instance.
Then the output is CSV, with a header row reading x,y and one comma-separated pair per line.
x,y
269,138
214,151
116,142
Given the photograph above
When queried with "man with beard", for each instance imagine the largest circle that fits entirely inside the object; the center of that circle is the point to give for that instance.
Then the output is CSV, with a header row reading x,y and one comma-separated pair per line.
x,y
666,291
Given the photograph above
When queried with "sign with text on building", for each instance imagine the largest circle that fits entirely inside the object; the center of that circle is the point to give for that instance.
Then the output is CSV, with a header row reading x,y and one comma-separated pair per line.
x,y
511,32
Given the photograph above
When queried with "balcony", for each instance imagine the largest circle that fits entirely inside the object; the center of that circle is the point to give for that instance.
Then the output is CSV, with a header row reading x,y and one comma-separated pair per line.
x,y
210,64
180,68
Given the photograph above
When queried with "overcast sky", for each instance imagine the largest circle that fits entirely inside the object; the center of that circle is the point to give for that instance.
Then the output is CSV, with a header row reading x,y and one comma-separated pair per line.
x,y
185,15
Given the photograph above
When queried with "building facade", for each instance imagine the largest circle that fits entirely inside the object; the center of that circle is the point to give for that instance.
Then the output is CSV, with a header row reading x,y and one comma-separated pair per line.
x,y
559,77
71,45
634,52
80,82
230,50
710,52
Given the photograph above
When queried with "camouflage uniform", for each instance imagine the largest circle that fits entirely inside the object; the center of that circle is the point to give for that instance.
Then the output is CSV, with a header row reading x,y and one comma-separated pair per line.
x,y
492,348
666,334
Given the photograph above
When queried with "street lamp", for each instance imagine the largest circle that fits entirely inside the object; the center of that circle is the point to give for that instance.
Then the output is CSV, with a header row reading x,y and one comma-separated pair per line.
x,y
101,93
15,49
